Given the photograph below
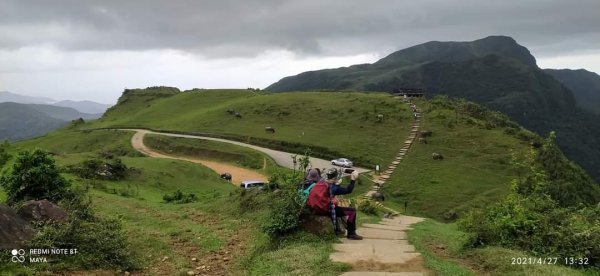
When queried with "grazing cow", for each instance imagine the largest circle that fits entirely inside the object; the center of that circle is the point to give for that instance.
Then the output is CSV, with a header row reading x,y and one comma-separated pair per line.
x,y
425,133
437,156
226,176
379,117
270,129
238,115
422,140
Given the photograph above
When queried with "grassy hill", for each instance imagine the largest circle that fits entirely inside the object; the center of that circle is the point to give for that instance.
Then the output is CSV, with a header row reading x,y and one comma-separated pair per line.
x,y
225,234
166,237
494,71
332,125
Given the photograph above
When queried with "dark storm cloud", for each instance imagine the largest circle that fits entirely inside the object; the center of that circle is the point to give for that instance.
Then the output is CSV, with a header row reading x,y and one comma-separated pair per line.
x,y
337,27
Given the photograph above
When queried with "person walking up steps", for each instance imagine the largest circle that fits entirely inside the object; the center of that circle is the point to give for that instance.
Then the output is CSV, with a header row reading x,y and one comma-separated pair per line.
x,y
322,199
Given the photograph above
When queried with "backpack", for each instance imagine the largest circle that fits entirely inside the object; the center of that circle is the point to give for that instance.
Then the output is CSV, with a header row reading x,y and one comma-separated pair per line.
x,y
305,192
318,198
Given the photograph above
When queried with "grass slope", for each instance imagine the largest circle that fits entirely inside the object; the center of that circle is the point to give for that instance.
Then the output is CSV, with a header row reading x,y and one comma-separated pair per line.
x,y
343,123
475,171
167,236
441,246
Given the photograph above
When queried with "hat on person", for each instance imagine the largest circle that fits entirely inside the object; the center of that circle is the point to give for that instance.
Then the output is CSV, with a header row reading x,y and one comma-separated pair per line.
x,y
332,173
313,175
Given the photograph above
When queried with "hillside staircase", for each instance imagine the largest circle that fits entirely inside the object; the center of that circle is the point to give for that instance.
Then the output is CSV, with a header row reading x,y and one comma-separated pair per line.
x,y
385,250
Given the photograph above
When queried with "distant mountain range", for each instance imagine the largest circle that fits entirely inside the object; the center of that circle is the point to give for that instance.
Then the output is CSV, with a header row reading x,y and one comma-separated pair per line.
x,y
584,84
494,71
23,117
81,106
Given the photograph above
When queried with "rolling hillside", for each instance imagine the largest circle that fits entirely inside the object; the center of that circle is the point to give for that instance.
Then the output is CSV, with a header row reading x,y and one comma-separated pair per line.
x,y
23,121
477,145
330,124
494,71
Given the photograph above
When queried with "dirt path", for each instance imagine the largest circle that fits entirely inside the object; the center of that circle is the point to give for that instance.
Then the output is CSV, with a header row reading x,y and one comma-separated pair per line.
x,y
238,174
282,158
385,249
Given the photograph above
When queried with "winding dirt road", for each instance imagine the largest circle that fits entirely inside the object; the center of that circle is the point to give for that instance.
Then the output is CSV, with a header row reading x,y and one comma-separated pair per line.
x,y
238,174
282,158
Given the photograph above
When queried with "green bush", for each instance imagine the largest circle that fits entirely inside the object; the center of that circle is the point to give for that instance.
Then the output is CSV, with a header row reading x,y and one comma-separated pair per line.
x,y
536,218
179,197
367,207
284,213
285,205
112,169
34,176
4,155
101,243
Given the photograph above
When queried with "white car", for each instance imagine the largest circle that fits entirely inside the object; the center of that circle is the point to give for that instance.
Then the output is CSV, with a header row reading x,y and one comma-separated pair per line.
x,y
248,184
343,162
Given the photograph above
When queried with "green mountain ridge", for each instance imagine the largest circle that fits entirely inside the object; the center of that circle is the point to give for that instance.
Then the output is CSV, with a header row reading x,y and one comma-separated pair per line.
x,y
23,121
494,71
584,84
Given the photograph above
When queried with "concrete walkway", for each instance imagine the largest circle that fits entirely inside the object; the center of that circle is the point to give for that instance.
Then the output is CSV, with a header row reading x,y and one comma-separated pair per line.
x,y
384,249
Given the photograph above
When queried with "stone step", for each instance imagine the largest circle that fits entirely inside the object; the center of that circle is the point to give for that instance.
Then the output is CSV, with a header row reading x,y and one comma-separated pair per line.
x,y
400,227
372,273
373,247
382,254
372,233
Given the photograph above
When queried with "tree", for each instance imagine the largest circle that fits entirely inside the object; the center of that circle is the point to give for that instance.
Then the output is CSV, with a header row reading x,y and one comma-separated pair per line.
x,y
34,176
4,155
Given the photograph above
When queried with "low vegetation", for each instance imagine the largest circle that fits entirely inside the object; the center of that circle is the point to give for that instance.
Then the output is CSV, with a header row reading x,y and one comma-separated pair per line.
x,y
531,217
179,197
34,175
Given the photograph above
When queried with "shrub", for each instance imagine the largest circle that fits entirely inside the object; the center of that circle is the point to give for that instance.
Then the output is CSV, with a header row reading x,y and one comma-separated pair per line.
x,y
367,207
180,198
4,155
34,176
284,213
100,242
536,218
113,169
285,205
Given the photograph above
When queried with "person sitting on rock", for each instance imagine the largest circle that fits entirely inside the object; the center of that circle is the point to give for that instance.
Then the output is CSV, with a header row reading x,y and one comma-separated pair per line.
x,y
336,211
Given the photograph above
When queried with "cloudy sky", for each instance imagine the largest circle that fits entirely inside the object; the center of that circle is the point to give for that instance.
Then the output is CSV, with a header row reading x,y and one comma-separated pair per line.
x,y
74,49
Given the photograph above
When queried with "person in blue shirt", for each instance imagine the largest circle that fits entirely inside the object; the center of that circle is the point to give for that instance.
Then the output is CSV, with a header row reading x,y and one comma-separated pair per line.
x,y
336,211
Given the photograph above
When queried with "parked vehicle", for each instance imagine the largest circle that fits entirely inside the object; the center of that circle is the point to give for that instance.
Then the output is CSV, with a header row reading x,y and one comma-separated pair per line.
x,y
343,162
248,184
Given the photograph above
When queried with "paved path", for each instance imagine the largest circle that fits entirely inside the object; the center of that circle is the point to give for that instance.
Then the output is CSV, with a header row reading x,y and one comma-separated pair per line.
x,y
282,158
384,251
238,174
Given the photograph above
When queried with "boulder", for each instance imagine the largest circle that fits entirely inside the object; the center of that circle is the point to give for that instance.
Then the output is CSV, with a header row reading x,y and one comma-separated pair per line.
x,y
319,225
42,210
14,230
